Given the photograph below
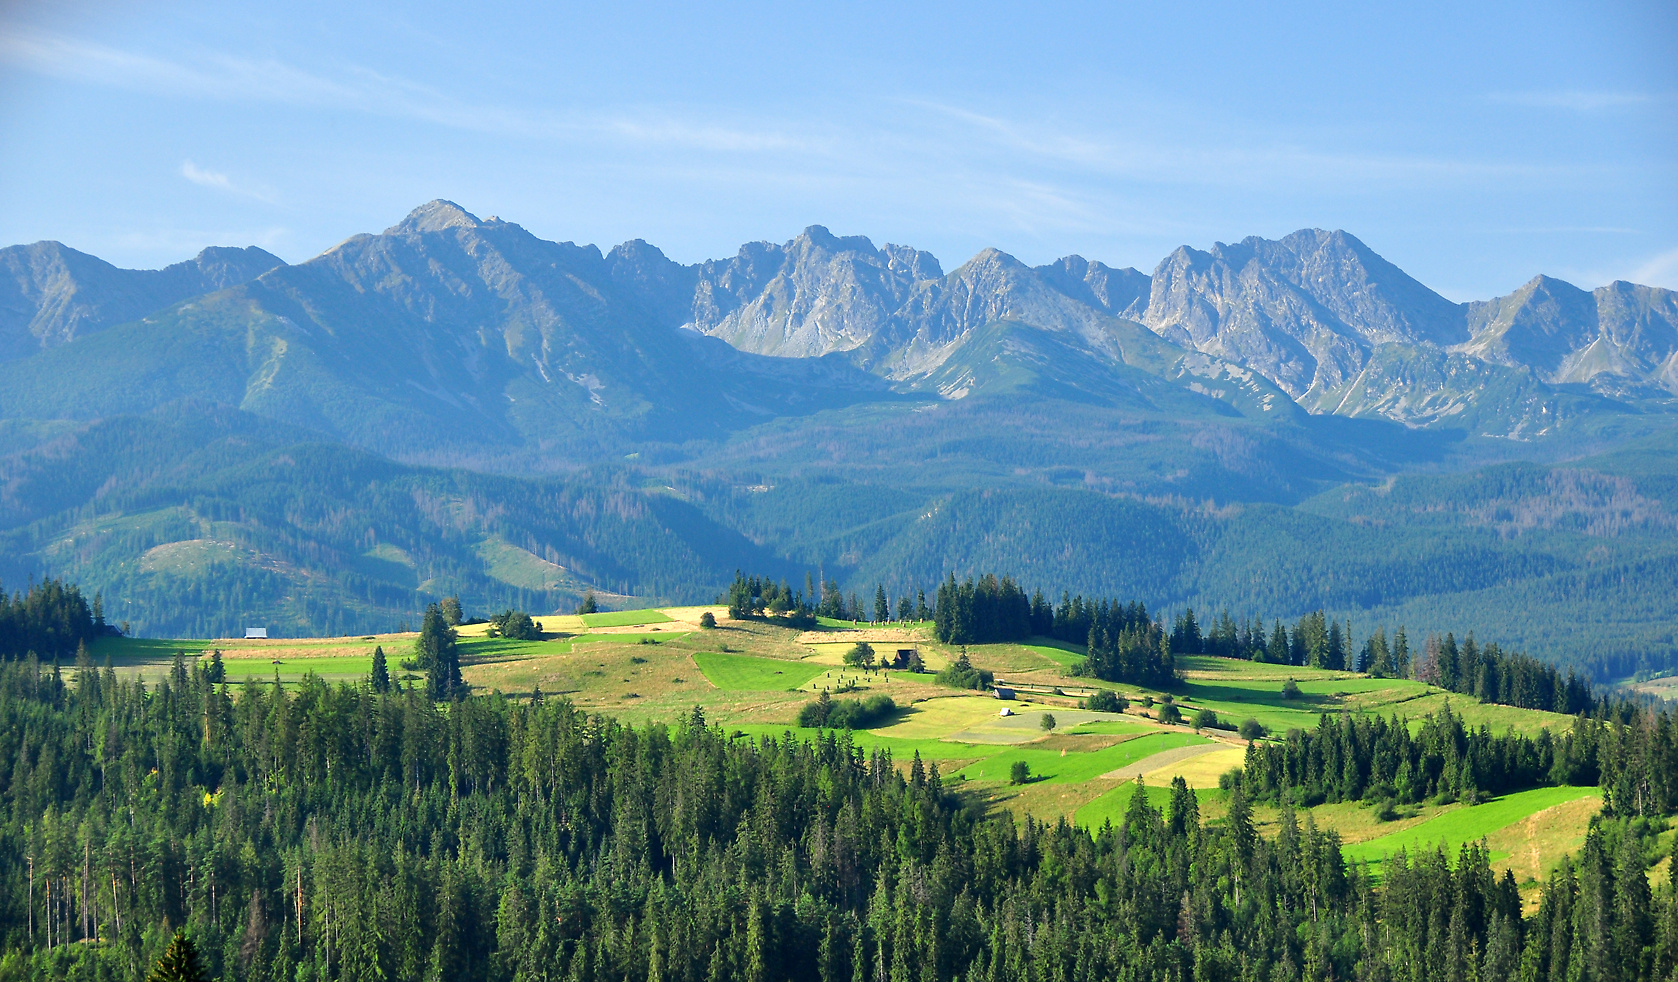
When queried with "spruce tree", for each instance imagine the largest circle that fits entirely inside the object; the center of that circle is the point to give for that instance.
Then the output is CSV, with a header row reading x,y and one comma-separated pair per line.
x,y
179,962
1278,652
381,671
436,653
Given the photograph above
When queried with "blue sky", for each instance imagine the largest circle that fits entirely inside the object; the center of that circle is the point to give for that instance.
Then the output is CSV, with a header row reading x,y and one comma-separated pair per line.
x,y
1474,148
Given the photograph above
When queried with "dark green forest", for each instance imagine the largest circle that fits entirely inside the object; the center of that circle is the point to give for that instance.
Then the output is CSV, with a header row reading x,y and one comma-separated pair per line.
x,y
338,833
351,833
199,520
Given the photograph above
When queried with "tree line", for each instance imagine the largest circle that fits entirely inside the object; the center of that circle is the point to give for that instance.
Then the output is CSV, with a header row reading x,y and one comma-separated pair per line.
x,y
1124,643
1630,752
50,618
1486,672
340,833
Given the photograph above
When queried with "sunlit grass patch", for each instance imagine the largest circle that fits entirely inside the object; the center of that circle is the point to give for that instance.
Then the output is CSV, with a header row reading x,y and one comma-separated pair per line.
x,y
625,618
940,718
1112,725
638,638
902,748
750,673
1255,670
1201,771
1452,829
1062,654
1111,806
1051,765
294,669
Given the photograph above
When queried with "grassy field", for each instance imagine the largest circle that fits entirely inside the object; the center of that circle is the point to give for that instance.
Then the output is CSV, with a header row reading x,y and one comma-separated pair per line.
x,y
1064,655
625,618
1055,761
334,659
1456,827
748,673
903,749
752,677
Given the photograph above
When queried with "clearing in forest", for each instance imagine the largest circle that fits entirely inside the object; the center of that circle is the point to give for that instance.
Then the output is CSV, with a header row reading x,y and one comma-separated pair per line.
x,y
1453,829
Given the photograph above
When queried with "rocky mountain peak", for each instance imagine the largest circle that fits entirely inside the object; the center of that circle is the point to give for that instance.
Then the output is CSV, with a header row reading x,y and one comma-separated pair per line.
x,y
1120,292
51,294
1304,310
913,263
223,266
435,216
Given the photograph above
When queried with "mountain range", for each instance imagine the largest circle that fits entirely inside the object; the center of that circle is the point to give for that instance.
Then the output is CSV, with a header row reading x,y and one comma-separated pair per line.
x,y
825,403
450,335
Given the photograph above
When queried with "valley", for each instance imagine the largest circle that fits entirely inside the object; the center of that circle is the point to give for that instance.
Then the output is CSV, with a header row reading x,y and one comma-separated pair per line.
x,y
562,419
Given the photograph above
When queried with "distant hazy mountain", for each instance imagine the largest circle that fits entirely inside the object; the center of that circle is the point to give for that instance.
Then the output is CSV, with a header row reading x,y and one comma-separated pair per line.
x,y
191,440
448,333
444,334
51,294
1304,311
1622,339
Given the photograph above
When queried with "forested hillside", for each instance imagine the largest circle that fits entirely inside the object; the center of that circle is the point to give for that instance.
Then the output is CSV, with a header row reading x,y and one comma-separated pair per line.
x,y
201,520
200,524
342,833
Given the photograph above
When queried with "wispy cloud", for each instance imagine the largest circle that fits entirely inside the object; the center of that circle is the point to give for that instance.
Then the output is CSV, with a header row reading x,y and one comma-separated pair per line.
x,y
1236,160
221,182
660,129
1660,270
221,77
1574,100
207,178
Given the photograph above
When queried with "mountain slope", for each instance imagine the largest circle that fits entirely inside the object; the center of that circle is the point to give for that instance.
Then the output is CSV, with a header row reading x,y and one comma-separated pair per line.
x,y
51,294
1621,340
1303,311
443,336
894,308
452,338
197,518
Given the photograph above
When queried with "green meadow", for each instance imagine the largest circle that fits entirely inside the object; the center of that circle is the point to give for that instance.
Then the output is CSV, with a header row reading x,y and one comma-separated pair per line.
x,y
902,748
749,673
753,691
1458,827
1068,766
625,618
1112,805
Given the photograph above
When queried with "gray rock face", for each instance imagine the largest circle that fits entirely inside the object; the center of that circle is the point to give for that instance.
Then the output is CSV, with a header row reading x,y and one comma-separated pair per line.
x,y
51,294
1120,292
894,307
483,331
1537,326
1304,311
816,294
446,333
1620,340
